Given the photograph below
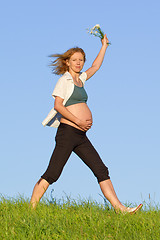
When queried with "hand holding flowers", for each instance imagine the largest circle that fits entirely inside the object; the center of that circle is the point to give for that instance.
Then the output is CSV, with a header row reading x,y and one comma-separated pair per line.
x,y
97,32
105,41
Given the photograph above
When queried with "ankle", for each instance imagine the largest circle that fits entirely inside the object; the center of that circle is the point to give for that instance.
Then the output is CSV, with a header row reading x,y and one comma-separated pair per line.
x,y
120,208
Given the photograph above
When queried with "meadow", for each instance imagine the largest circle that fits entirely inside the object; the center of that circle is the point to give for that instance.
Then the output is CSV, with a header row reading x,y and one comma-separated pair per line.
x,y
68,219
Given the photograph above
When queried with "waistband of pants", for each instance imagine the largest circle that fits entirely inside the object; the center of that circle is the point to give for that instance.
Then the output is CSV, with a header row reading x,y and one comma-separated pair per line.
x,y
76,130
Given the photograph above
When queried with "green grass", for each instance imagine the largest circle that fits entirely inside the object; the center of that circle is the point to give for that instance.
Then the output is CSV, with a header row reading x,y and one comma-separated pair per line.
x,y
73,220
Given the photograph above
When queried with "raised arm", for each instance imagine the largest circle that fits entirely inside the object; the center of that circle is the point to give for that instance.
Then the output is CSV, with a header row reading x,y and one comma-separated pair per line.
x,y
99,59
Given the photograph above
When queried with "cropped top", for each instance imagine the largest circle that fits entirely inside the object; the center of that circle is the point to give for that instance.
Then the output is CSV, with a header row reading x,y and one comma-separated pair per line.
x,y
64,89
79,95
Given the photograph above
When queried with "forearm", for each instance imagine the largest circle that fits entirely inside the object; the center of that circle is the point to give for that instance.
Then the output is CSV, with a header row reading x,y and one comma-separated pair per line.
x,y
67,114
99,59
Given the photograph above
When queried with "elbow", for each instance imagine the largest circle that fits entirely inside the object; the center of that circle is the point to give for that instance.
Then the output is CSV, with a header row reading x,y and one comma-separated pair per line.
x,y
57,107
96,67
58,103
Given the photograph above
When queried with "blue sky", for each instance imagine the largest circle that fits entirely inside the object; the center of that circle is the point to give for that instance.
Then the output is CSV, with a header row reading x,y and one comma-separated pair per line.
x,y
123,95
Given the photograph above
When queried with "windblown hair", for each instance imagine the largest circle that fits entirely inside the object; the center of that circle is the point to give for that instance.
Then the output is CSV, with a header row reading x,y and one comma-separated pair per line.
x,y
59,64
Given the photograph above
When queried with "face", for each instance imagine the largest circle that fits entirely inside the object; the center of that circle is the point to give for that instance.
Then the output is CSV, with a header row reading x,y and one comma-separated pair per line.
x,y
76,62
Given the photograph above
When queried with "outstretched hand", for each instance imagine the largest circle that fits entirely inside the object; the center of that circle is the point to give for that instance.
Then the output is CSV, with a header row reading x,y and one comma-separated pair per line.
x,y
105,40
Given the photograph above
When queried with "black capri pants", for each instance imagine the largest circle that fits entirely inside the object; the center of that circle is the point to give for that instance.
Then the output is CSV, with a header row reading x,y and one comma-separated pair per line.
x,y
70,139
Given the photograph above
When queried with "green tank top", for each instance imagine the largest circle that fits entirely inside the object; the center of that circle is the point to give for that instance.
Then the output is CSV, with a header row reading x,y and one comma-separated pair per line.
x,y
79,95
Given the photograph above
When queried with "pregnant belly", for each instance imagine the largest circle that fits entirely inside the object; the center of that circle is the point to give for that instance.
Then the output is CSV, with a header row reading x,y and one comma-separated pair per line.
x,y
81,111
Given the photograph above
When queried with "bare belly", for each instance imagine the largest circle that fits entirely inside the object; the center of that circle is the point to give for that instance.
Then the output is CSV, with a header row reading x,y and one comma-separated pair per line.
x,y
81,111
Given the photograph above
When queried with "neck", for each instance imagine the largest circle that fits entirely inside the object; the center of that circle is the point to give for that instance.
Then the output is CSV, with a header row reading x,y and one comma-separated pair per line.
x,y
74,75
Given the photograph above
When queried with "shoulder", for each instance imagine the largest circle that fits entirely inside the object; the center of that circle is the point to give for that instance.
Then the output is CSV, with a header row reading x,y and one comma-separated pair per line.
x,y
63,77
62,80
61,86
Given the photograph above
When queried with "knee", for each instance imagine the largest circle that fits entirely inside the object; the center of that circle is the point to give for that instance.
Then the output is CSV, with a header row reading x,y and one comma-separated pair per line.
x,y
50,179
103,174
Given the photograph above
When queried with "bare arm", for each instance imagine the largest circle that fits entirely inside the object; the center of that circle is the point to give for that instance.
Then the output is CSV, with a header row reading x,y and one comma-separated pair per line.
x,y
58,106
99,59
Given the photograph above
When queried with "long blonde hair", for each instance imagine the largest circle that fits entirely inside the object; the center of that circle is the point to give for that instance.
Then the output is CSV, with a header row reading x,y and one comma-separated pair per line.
x,y
59,64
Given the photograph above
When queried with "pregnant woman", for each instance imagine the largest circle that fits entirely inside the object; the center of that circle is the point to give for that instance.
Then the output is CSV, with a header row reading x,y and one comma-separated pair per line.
x,y
73,118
